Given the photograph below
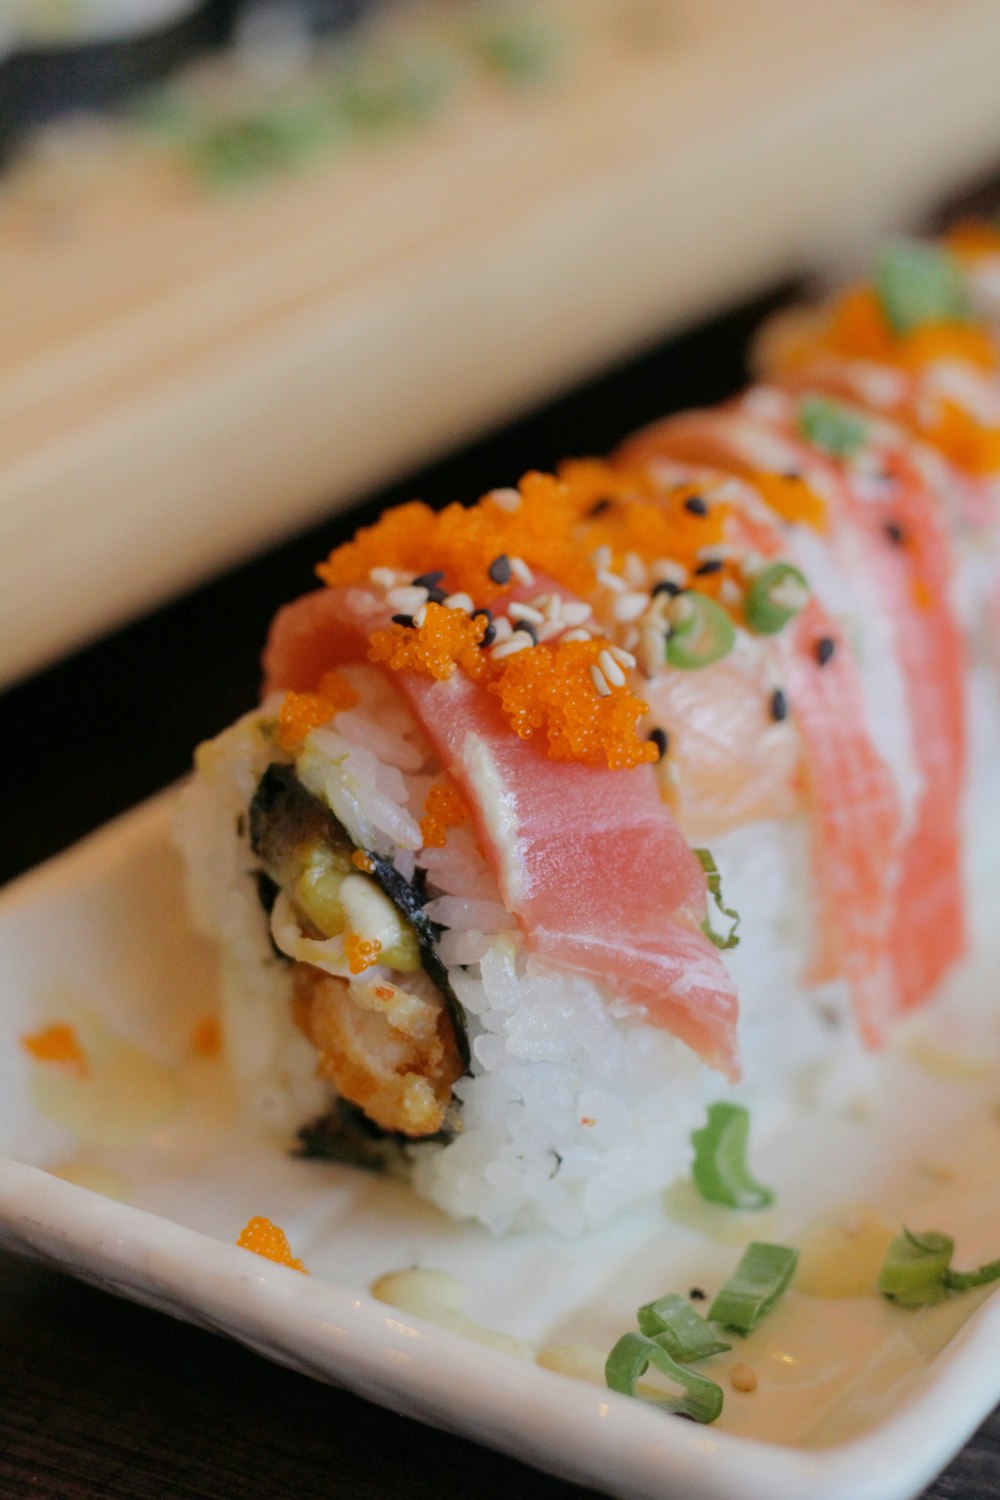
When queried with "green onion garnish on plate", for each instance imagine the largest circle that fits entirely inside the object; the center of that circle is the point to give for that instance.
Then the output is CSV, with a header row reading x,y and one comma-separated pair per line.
x,y
676,1327
831,426
631,1358
917,283
720,1171
754,1287
776,595
917,1270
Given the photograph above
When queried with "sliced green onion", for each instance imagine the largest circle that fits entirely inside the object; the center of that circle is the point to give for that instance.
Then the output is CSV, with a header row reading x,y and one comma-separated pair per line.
x,y
720,1170
914,1268
918,283
714,881
836,429
701,632
676,1327
776,595
631,1358
963,1281
754,1287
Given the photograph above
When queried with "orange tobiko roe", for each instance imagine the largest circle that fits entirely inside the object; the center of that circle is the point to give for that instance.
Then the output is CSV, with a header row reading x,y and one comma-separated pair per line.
x,y
446,639
301,712
362,953
970,446
551,692
266,1239
791,498
57,1044
206,1039
859,329
443,809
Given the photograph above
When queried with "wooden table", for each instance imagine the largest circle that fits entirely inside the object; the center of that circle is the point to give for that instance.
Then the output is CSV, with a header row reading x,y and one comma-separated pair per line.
x,y
101,1400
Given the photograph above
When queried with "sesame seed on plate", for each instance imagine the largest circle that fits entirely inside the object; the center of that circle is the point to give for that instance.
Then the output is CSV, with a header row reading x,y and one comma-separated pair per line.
x,y
577,635
459,601
623,658
599,680
575,612
382,578
611,581
550,629
504,629
520,569
499,569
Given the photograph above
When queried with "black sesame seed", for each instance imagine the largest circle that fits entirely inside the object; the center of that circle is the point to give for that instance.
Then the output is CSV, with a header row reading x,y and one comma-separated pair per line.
x,y
428,580
696,506
402,619
436,595
895,533
791,474
599,508
528,629
499,569
824,649
491,630
779,706
661,740
666,587
712,565
697,1295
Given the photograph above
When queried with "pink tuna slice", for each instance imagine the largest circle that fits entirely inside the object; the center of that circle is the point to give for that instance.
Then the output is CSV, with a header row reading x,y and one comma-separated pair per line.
x,y
589,860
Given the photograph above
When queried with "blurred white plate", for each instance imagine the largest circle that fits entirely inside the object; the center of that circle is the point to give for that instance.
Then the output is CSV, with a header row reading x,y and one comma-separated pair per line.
x,y
99,938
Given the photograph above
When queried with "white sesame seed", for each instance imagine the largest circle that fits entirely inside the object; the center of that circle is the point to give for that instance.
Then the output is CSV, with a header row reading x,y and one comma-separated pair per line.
x,y
601,557
728,490
628,607
519,641
577,635
526,612
382,578
406,600
665,570
611,669
730,591
611,581
598,679
507,499
651,647
574,613
754,562
634,570
504,629
630,640
716,553
420,616
623,658
520,569
550,629
459,601
553,608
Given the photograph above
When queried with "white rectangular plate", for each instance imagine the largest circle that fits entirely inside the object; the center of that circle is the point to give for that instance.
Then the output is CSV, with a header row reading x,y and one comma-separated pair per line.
x,y
854,1396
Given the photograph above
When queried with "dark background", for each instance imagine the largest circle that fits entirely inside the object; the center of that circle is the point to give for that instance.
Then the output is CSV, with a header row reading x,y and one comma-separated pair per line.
x,y
100,1399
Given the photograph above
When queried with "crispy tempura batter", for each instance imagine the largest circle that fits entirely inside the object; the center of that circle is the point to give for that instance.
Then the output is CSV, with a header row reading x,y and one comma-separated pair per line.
x,y
386,1049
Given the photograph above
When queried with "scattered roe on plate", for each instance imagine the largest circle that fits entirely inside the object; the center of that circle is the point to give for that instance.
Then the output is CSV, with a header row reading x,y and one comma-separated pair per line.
x,y
266,1239
443,809
57,1043
301,712
206,1038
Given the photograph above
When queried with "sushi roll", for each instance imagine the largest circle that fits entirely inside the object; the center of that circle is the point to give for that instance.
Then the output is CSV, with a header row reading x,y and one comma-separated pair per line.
x,y
567,813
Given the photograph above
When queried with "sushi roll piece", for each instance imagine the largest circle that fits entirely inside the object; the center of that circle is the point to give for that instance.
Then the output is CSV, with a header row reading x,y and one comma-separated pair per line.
x,y
569,812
